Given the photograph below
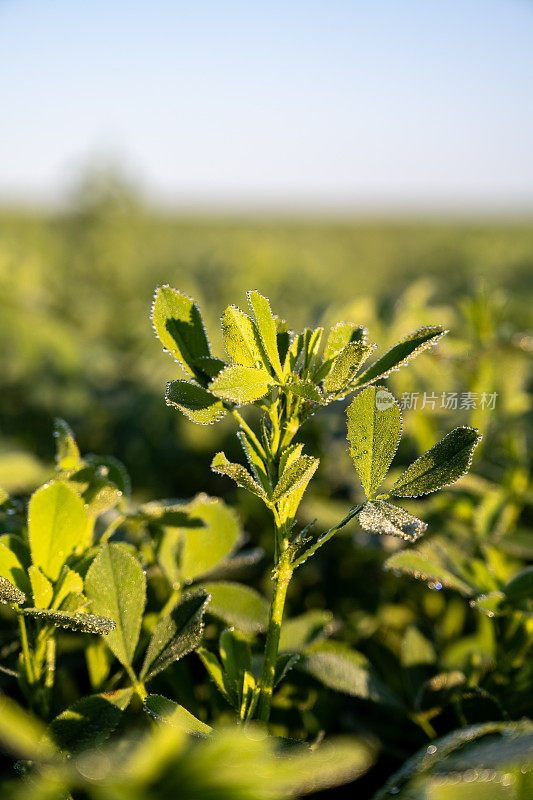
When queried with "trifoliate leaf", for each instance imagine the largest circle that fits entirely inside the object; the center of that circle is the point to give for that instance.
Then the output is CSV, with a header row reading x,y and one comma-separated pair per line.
x,y
116,587
84,623
58,524
346,365
179,326
241,339
173,714
67,451
237,605
266,325
238,473
378,516
295,476
374,430
195,402
401,353
10,593
241,385
177,634
441,466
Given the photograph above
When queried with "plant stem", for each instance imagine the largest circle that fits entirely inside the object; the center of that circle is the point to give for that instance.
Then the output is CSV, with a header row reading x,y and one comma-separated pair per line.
x,y
327,536
283,576
249,432
26,649
137,684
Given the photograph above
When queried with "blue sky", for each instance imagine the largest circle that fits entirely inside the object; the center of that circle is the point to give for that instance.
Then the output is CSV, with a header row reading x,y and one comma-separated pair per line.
x,y
387,104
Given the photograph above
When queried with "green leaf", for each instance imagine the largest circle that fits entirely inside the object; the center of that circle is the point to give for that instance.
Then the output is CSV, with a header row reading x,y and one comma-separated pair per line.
x,y
379,516
305,390
210,366
445,463
215,671
340,335
83,623
295,476
179,326
346,365
10,593
401,353
67,451
241,339
13,562
116,587
195,402
188,553
284,663
345,670
236,659
69,583
58,524
238,473
238,605
173,714
300,632
374,431
520,587
426,565
87,723
23,734
266,326
255,460
176,635
41,588
241,385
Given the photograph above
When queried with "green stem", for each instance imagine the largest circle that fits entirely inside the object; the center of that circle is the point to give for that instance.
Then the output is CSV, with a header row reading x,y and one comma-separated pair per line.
x,y
327,536
249,432
137,684
26,649
283,577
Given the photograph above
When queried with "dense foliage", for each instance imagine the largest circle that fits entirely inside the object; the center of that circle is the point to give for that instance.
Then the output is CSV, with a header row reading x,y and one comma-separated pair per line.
x,y
132,630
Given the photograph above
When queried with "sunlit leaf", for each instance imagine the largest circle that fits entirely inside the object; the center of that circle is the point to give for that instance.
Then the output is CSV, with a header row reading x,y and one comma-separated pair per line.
x,y
173,714
378,516
346,365
41,588
295,476
440,466
67,451
266,325
240,385
238,605
84,623
242,340
179,326
238,473
195,402
374,431
88,722
10,593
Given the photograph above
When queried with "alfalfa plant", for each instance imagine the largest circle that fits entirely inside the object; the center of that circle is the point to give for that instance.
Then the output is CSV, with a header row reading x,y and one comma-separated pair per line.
x,y
288,377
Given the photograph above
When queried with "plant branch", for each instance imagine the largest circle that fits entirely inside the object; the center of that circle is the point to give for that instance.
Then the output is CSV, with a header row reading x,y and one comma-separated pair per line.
x,y
327,536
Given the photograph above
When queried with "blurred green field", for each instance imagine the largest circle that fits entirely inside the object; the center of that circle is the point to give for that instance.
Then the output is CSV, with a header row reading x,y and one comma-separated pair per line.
x,y
76,342
76,288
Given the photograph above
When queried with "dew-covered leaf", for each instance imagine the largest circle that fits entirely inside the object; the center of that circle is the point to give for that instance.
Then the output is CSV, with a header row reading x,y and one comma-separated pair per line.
x,y
195,402
116,587
345,670
266,326
58,524
425,565
179,326
238,473
173,714
295,476
241,385
346,365
67,451
70,582
88,722
442,465
374,431
255,460
210,366
306,390
84,623
401,353
237,605
14,562
41,588
378,516
10,593
177,634
241,339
